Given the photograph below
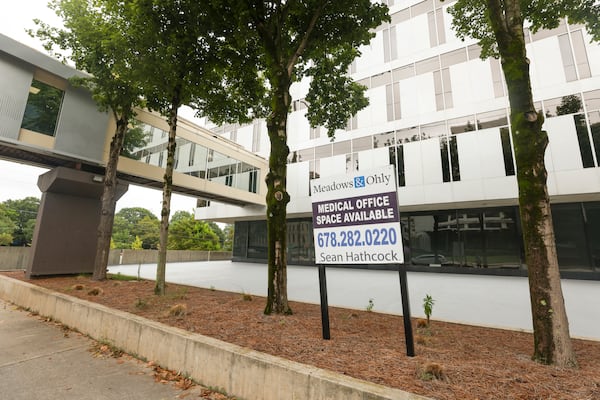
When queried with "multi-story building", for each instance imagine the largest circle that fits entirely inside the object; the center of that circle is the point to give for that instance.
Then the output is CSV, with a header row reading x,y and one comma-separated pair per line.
x,y
440,114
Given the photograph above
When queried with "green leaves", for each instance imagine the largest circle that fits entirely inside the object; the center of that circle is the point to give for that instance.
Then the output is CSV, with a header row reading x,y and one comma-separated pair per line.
x,y
333,97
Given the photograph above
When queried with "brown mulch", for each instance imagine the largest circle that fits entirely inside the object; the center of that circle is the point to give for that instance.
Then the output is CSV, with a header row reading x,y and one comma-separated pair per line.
x,y
452,361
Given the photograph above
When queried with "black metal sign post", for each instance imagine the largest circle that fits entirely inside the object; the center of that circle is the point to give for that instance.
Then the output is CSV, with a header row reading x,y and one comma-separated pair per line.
x,y
408,332
324,305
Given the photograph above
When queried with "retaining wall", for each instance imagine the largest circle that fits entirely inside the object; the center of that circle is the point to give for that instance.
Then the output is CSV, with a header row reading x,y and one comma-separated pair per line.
x,y
238,371
18,257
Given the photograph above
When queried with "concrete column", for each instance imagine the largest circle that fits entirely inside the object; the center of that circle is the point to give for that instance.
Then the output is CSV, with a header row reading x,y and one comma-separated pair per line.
x,y
65,236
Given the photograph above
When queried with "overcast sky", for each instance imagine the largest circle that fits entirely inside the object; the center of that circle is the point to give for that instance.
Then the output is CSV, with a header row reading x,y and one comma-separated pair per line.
x,y
17,180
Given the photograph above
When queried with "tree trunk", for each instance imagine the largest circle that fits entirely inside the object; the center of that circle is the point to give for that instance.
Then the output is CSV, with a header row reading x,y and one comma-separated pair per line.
x,y
552,343
159,289
109,201
278,198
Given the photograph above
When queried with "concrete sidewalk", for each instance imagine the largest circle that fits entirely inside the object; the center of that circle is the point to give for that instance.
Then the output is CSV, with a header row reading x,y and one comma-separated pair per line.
x,y
493,301
39,360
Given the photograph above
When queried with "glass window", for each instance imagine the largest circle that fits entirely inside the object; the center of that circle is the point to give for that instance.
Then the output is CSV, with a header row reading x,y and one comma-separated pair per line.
x,y
594,120
257,240
381,79
256,137
421,8
581,58
361,144
343,147
474,51
445,159
497,78
509,163
492,119
439,90
397,159
240,241
314,170
453,57
405,72
592,224
569,232
461,125
322,151
43,108
306,154
408,135
583,138
454,159
567,57
427,65
592,100
300,242
400,16
385,139
433,238
546,33
433,130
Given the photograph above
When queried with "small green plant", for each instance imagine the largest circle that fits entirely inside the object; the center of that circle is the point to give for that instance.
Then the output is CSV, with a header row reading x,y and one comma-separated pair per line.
x,y
370,305
212,288
246,297
428,306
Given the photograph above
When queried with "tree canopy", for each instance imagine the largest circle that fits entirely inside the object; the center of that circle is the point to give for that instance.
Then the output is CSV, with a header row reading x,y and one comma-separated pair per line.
x,y
17,221
280,43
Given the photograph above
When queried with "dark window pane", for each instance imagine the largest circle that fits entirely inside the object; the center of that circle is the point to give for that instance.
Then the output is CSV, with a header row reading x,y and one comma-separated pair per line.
x,y
585,147
569,231
509,163
594,119
300,242
454,159
257,240
43,108
445,159
592,223
240,239
432,238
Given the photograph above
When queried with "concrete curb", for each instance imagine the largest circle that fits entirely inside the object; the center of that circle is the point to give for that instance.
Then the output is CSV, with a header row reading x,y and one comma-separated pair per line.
x,y
235,370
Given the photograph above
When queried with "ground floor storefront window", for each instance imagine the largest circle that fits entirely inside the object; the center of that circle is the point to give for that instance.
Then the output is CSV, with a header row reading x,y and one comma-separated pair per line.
x,y
484,239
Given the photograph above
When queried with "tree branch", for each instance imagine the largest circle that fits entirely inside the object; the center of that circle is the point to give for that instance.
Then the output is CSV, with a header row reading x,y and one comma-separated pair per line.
x,y
304,42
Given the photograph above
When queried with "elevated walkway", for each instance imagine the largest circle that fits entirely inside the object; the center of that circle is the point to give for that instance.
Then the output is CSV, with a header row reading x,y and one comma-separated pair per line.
x,y
46,121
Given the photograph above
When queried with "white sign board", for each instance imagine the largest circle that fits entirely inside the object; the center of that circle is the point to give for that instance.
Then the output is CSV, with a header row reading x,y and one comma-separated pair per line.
x,y
356,218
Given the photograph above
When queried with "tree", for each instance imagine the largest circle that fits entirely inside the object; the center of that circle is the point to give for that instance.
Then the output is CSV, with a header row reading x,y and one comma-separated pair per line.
x,y
7,227
570,104
136,222
498,26
177,48
291,40
22,213
93,36
187,233
228,233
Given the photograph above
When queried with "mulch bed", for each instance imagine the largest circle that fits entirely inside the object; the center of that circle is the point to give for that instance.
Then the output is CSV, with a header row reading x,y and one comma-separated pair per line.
x,y
452,361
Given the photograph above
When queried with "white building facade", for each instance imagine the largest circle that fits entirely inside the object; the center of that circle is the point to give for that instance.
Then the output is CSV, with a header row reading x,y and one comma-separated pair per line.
x,y
440,114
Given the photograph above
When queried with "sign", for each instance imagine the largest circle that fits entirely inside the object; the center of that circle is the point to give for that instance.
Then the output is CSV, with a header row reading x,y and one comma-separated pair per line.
x,y
356,218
